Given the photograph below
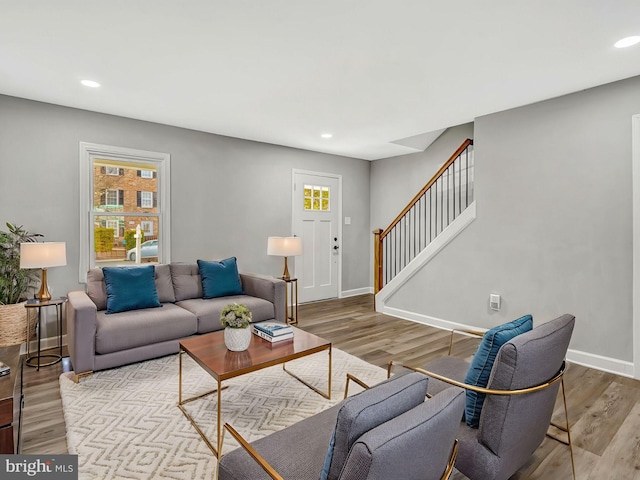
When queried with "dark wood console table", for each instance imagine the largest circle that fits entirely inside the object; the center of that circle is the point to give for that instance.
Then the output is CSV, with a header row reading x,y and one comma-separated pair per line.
x,y
11,401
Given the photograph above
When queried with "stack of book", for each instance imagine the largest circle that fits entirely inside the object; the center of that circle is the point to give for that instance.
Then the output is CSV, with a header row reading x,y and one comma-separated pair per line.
x,y
273,331
4,369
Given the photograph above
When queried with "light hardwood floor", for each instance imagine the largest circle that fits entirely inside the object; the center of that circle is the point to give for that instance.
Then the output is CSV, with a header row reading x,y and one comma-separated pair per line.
x,y
604,409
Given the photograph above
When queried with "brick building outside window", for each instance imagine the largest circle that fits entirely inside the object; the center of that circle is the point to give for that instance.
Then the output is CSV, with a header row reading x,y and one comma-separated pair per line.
x,y
127,194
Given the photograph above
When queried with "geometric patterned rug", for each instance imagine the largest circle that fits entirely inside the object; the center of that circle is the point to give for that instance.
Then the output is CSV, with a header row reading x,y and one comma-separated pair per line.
x,y
125,423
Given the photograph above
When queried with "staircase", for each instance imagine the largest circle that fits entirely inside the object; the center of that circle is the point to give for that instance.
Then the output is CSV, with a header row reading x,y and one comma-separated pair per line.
x,y
435,215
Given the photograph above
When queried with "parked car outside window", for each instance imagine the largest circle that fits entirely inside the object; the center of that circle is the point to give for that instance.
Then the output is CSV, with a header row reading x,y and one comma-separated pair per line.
x,y
148,249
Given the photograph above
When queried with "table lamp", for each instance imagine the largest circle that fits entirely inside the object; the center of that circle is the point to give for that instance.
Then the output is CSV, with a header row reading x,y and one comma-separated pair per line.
x,y
43,255
284,247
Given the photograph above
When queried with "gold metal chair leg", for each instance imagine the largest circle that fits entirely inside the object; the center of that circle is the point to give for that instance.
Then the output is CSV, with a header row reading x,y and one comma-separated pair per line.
x,y
390,366
566,417
355,379
565,429
450,343
451,462
268,469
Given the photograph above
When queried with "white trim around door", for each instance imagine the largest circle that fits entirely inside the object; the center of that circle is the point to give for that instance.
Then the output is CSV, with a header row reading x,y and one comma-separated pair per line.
x,y
320,175
635,173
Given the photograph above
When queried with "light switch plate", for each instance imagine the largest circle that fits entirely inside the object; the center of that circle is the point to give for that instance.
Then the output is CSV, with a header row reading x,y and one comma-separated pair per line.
x,y
494,301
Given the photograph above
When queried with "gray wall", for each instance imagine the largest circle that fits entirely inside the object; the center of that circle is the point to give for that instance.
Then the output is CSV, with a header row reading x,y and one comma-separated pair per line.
x,y
554,227
228,195
395,181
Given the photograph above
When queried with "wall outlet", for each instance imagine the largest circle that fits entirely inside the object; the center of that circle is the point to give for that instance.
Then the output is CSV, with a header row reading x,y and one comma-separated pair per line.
x,y
494,301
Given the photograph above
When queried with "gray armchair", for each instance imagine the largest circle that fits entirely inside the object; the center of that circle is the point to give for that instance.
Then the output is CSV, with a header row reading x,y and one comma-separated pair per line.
x,y
519,403
388,431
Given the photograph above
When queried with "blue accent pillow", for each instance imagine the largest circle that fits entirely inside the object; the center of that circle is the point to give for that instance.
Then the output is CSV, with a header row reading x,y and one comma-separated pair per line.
x,y
220,279
324,474
482,363
130,288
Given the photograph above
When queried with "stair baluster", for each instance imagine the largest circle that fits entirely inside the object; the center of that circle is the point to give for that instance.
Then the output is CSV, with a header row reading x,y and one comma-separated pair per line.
x,y
432,209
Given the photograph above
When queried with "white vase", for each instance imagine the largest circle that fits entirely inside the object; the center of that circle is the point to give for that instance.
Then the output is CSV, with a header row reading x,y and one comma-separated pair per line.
x,y
237,339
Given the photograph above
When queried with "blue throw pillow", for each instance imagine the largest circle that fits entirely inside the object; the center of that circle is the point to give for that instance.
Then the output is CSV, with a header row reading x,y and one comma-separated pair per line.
x,y
220,279
482,363
324,474
130,288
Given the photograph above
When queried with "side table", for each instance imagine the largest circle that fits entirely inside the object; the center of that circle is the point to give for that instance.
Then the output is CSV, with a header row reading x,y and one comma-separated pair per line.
x,y
40,304
291,292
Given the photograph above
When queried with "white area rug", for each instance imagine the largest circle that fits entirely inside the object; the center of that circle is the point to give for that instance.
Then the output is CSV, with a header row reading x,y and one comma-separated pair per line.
x,y
125,423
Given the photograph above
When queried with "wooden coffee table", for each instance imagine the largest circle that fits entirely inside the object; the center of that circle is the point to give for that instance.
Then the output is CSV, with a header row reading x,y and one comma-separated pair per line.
x,y
210,352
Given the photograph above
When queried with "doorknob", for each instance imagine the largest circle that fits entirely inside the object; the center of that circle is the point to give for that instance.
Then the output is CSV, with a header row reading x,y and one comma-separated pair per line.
x,y
336,247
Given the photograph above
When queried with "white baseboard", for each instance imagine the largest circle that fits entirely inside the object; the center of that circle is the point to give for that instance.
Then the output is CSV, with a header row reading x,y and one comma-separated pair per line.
x,y
45,343
424,319
591,360
606,364
356,291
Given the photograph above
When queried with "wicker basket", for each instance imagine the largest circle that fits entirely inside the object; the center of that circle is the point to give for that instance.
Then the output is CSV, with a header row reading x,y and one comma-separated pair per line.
x,y
13,323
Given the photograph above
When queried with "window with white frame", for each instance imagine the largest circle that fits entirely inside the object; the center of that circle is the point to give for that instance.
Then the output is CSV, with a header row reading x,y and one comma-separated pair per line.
x,y
146,199
113,198
117,195
147,228
113,225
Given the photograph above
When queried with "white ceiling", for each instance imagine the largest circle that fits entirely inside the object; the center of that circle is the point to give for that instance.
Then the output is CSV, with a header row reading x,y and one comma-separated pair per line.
x,y
372,72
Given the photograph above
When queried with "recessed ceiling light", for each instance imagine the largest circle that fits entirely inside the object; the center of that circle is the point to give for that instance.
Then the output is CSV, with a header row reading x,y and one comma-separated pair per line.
x,y
90,83
326,135
627,42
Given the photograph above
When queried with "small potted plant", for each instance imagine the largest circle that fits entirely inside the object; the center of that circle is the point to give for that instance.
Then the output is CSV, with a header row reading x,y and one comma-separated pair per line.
x,y
236,318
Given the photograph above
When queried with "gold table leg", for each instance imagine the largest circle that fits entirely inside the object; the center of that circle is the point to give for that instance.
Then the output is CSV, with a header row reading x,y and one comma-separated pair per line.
x,y
320,392
215,449
219,419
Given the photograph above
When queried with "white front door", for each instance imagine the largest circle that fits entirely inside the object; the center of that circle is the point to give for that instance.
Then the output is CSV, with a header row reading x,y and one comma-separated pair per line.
x,y
316,218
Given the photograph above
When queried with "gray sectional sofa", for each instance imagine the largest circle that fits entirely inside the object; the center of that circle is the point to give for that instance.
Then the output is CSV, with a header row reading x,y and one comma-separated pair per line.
x,y
98,341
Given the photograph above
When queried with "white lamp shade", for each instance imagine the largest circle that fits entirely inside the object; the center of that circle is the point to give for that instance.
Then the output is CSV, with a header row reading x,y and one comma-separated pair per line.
x,y
284,246
43,255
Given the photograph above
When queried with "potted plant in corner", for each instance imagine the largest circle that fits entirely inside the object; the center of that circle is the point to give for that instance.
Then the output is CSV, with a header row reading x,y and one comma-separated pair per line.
x,y
14,285
235,318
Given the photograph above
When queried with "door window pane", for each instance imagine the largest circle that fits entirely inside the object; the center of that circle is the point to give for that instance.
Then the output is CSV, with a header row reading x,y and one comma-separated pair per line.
x,y
317,198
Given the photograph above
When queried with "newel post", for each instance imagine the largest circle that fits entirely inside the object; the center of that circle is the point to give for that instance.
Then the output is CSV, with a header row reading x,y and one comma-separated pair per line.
x,y
377,261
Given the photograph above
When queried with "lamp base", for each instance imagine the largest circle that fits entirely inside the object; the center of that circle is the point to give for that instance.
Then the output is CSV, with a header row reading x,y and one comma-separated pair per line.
x,y
44,294
285,274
